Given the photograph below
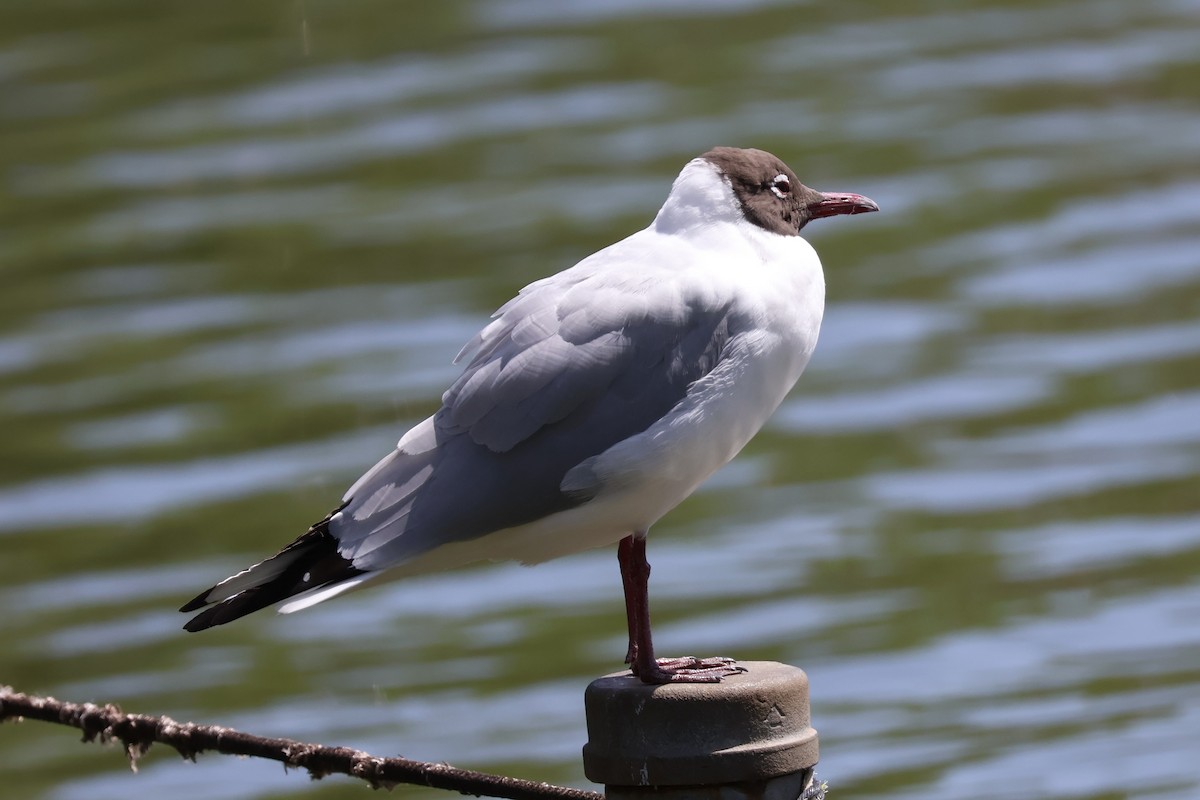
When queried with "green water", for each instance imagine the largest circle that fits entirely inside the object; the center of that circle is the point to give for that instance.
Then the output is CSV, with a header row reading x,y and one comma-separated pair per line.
x,y
241,242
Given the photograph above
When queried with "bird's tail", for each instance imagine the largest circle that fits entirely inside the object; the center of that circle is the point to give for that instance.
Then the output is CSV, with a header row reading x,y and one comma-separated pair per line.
x,y
311,564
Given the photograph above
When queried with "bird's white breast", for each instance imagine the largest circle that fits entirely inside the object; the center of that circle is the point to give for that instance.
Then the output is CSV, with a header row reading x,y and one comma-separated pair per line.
x,y
777,283
698,247
647,475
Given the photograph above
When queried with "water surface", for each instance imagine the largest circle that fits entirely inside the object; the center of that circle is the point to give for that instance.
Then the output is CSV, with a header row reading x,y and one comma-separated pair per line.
x,y
241,242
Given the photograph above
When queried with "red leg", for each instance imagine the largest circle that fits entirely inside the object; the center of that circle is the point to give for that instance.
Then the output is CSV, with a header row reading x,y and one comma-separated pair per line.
x,y
624,558
635,577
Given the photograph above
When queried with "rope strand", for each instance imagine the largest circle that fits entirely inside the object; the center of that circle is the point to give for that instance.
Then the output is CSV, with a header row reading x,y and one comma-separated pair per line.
x,y
137,732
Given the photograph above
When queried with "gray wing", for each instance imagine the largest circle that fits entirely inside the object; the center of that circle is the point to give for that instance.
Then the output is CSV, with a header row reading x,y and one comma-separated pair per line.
x,y
560,375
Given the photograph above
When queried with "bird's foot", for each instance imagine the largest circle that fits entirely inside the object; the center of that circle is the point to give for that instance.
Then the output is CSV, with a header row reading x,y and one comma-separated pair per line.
x,y
686,669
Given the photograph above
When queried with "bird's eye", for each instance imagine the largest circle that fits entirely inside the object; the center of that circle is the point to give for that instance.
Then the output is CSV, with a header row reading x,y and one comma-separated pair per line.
x,y
781,186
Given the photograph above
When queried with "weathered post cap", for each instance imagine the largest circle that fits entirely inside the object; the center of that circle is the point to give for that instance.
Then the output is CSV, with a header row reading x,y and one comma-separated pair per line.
x,y
749,727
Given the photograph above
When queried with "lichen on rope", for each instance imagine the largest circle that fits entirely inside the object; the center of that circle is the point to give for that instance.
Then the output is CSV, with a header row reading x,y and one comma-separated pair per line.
x,y
137,732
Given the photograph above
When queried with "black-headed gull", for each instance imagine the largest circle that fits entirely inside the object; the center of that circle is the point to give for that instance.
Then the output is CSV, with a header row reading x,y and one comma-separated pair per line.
x,y
592,404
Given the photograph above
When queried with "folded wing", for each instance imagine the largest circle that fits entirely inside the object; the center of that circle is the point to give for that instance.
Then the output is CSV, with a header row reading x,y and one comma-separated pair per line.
x,y
570,367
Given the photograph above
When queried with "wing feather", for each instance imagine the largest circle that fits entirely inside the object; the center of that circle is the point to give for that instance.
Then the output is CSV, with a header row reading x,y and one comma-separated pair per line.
x,y
564,371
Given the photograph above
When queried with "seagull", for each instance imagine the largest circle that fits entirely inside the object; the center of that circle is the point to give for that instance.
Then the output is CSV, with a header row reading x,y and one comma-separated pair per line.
x,y
593,403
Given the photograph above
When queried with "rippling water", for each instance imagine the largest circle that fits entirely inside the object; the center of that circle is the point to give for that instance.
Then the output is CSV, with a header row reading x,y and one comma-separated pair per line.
x,y
241,242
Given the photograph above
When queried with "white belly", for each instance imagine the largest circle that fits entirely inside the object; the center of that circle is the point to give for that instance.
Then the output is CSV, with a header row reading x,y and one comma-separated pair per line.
x,y
635,482
645,476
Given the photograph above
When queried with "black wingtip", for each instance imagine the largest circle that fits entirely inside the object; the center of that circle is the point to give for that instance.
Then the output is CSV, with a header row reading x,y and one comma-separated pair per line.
x,y
209,618
199,601
311,561
197,624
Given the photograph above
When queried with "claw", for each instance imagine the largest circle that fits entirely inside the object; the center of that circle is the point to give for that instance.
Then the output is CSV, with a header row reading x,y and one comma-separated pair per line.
x,y
689,669
635,575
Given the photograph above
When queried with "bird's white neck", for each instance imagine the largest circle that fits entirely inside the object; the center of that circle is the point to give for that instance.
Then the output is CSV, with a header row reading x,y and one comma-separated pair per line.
x,y
700,197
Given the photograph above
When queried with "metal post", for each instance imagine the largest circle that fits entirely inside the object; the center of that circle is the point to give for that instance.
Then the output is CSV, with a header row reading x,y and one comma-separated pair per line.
x,y
748,737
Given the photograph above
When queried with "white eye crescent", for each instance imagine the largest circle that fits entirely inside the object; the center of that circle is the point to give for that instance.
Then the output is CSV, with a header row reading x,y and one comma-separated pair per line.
x,y
781,186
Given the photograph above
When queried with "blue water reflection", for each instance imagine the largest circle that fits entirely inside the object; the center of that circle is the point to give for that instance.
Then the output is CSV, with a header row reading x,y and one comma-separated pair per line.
x,y
242,244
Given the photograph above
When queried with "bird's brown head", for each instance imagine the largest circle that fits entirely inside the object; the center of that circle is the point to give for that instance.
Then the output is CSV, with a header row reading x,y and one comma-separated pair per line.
x,y
773,198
